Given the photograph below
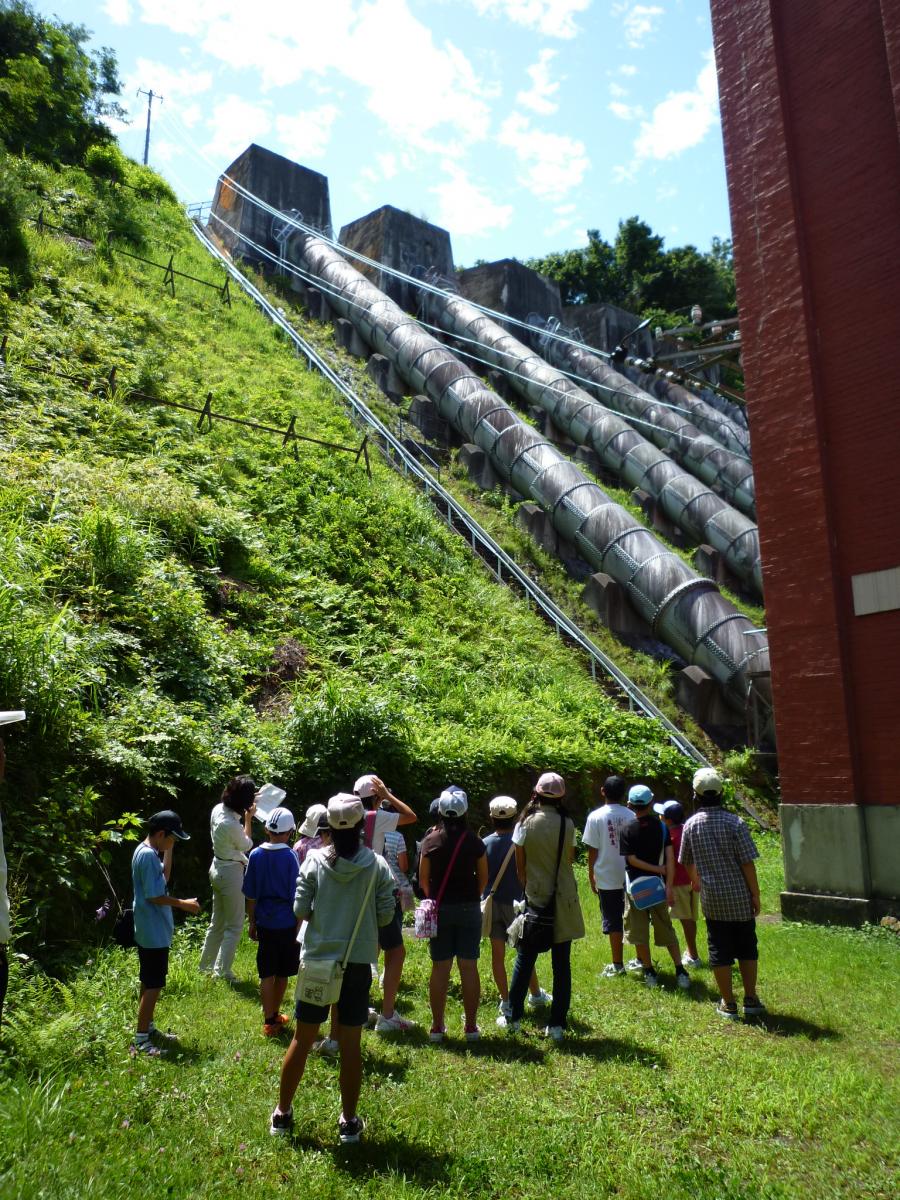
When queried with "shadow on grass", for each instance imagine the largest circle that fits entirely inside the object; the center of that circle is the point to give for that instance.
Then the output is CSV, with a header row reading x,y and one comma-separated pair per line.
x,y
602,1049
383,1068
392,1155
504,1049
785,1026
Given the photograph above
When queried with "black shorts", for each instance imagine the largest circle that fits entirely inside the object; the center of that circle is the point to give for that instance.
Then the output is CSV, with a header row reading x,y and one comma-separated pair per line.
x,y
277,952
390,936
612,906
153,966
353,1004
730,940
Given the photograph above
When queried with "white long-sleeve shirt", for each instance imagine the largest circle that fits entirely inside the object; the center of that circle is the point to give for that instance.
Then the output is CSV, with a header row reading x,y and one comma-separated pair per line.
x,y
229,841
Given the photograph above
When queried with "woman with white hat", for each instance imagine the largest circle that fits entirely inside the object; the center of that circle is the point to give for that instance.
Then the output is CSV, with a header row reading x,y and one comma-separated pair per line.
x,y
545,847
229,830
453,872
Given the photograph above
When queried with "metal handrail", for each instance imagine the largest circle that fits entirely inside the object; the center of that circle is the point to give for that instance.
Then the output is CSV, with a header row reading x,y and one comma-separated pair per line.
x,y
455,514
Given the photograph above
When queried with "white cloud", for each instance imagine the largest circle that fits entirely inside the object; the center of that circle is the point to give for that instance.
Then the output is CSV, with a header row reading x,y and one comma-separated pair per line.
x,y
428,94
639,21
118,11
627,69
553,18
539,97
625,112
234,124
682,120
552,163
616,89
564,214
464,208
307,134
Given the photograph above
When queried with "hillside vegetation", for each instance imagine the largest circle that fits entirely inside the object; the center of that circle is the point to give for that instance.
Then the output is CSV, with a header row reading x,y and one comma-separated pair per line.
x,y
178,606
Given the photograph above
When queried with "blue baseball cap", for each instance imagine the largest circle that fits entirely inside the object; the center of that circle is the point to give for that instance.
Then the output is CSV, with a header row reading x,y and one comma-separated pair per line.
x,y
640,795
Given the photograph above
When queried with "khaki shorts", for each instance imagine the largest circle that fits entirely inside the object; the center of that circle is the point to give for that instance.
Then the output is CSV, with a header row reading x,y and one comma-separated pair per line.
x,y
638,921
685,907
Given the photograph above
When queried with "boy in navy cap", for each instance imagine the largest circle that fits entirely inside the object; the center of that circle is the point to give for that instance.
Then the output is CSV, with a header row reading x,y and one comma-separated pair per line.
x,y
154,923
686,906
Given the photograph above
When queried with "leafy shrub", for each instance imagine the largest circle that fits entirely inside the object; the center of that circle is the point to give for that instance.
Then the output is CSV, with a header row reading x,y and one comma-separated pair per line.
x,y
106,162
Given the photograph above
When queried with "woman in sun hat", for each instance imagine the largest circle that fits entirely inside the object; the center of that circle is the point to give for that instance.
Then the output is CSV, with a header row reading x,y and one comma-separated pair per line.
x,y
313,833
547,874
453,871
335,890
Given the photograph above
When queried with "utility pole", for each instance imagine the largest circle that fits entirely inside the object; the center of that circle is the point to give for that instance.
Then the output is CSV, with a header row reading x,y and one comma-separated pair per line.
x,y
151,96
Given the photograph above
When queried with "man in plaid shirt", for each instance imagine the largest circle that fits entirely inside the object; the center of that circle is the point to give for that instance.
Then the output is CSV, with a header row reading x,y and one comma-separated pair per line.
x,y
718,852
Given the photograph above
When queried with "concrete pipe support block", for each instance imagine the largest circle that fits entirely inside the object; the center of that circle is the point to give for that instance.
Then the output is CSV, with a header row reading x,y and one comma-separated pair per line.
x,y
477,466
604,596
382,373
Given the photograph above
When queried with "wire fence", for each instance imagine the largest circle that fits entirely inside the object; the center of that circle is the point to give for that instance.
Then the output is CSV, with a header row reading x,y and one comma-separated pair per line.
x,y
107,385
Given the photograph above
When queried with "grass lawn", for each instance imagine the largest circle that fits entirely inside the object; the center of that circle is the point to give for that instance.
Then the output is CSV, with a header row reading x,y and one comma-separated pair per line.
x,y
651,1095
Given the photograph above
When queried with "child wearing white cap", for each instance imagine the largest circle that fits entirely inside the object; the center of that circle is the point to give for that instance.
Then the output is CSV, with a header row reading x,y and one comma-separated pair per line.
x,y
269,885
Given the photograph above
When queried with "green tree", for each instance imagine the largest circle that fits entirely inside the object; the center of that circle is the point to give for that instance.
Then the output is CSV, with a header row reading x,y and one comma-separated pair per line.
x,y
639,258
586,275
53,92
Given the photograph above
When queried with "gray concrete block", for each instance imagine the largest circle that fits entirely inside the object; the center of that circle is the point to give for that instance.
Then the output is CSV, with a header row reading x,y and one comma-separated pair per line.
x,y
477,466
510,287
425,415
532,518
701,696
317,306
824,848
586,457
882,822
604,596
403,242
349,338
382,373
826,910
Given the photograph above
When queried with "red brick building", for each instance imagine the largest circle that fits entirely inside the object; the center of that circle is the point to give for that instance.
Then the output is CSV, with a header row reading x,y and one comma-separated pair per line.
x,y
810,100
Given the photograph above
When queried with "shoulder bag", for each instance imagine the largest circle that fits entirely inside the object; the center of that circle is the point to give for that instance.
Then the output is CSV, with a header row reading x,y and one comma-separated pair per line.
x,y
427,913
646,891
537,927
487,904
319,980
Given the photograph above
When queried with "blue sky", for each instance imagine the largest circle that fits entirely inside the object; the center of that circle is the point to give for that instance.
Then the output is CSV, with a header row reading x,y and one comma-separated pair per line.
x,y
515,124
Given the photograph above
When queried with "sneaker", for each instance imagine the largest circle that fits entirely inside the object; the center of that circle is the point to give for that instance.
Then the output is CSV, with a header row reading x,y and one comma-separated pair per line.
x,y
167,1037
329,1047
505,1009
350,1131
228,977
373,1017
473,1033
634,964
753,1007
555,1032
146,1048
651,979
728,1012
612,971
272,1028
682,978
394,1024
687,961
513,1027
437,1035
281,1124
503,1022
540,1000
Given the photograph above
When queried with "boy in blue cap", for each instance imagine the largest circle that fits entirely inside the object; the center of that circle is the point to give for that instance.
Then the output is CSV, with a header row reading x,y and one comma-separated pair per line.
x,y
647,850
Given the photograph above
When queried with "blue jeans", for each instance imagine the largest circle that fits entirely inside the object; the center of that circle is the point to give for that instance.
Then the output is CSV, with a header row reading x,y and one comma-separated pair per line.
x,y
561,962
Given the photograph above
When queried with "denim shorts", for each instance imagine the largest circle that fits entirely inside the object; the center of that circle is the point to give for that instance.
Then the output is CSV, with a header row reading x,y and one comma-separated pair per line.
x,y
390,936
612,906
459,932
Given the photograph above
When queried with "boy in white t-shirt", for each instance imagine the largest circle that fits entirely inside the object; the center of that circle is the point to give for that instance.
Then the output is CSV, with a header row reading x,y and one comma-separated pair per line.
x,y
606,866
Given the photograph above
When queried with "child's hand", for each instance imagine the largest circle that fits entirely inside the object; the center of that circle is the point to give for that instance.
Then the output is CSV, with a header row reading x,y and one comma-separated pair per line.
x,y
191,906
251,931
